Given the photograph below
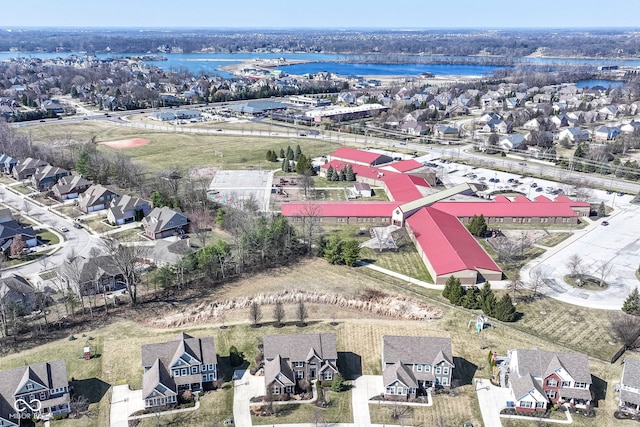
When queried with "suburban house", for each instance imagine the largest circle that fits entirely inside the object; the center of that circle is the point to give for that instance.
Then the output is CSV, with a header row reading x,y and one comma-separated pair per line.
x,y
126,209
70,187
16,290
46,177
92,275
95,198
293,357
10,228
184,363
164,222
166,252
44,382
411,365
27,167
538,378
574,134
606,133
630,386
7,164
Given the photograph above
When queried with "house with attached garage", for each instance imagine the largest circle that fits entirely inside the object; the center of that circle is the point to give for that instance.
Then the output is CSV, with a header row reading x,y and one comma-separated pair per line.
x,y
294,357
126,209
164,222
25,168
21,388
184,363
70,187
16,290
412,365
539,378
630,386
46,177
95,198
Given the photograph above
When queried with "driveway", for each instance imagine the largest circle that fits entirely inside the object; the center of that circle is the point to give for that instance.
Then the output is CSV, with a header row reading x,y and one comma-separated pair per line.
x,y
124,402
364,388
244,389
491,399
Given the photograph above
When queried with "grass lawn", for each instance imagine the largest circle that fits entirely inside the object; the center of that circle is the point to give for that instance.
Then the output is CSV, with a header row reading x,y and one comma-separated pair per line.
x,y
47,237
68,210
129,235
239,152
338,410
406,261
215,407
589,283
553,239
21,188
5,179
98,224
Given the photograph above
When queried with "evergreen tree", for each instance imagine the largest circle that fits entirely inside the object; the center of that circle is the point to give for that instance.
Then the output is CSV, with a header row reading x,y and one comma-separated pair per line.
x,y
487,299
343,174
329,173
457,293
349,175
298,152
333,250
351,252
477,226
601,210
447,287
268,156
505,310
337,384
470,299
335,176
83,165
304,166
632,304
290,153
282,153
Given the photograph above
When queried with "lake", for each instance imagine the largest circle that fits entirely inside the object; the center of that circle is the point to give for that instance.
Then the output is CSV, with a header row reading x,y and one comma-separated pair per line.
x,y
599,82
211,62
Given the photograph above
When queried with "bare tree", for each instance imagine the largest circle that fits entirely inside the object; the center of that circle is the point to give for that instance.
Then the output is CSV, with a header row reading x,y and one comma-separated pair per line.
x,y
537,281
604,269
576,266
310,216
301,312
307,185
626,328
278,313
125,256
202,221
255,314
515,285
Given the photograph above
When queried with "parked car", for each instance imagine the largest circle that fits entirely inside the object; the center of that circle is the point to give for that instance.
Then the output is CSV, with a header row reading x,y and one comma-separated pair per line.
x,y
605,223
77,225
64,229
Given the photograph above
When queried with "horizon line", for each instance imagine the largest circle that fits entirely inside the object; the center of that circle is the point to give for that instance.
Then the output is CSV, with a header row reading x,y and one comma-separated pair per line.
x,y
383,29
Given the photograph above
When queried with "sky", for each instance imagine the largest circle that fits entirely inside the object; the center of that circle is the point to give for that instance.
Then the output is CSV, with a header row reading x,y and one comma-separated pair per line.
x,y
404,14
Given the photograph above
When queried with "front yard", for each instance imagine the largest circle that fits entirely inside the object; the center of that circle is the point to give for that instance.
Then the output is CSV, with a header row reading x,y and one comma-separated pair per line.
x,y
338,410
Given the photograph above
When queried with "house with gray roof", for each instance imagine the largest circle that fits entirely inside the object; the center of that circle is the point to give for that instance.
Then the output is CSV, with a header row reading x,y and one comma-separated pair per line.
x,y
16,290
538,378
126,209
10,228
93,274
293,357
7,164
630,386
46,177
21,388
70,187
411,365
24,169
164,222
166,252
184,363
95,198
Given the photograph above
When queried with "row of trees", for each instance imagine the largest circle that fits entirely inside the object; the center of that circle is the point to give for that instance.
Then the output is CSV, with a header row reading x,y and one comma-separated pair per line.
x,y
480,299
344,174
278,313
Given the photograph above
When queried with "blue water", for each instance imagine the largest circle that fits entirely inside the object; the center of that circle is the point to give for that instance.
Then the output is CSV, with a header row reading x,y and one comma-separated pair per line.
x,y
599,82
210,63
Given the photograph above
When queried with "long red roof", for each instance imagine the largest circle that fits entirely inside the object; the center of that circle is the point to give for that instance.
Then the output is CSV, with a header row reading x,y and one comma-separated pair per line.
x,y
339,209
356,155
447,243
520,207
405,165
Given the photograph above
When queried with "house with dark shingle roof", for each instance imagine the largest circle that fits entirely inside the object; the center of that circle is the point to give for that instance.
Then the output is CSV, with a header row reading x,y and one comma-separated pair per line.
x,y
17,290
184,363
7,164
46,177
94,274
12,228
70,187
538,378
95,198
411,365
126,209
21,388
24,169
630,386
164,222
293,357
